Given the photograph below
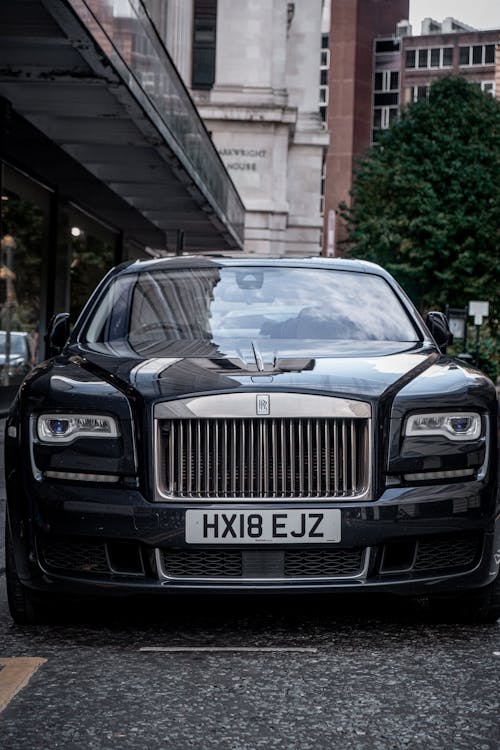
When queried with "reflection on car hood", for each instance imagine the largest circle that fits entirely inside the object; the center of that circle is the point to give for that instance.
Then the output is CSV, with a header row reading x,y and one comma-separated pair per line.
x,y
366,369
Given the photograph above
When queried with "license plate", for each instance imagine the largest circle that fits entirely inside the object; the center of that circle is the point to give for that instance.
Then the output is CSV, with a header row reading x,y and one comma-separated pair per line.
x,y
293,526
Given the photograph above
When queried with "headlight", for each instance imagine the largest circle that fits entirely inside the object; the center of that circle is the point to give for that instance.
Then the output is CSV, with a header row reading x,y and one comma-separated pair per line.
x,y
64,428
453,425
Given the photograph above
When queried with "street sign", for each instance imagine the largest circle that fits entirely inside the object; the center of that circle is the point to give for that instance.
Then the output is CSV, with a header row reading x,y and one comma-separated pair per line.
x,y
479,309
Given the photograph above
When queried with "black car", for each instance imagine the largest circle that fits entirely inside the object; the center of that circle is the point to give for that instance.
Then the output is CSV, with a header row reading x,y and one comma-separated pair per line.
x,y
220,425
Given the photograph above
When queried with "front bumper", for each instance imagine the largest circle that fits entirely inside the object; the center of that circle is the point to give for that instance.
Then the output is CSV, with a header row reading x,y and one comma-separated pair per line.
x,y
414,541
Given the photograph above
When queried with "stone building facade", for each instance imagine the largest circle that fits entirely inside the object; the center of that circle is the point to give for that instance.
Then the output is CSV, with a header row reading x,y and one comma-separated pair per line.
x,y
252,67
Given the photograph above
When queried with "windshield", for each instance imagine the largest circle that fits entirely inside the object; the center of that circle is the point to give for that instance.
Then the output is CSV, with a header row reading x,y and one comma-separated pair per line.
x,y
230,307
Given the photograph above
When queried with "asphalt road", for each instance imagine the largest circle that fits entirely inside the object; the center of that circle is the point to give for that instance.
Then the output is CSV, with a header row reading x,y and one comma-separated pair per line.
x,y
364,674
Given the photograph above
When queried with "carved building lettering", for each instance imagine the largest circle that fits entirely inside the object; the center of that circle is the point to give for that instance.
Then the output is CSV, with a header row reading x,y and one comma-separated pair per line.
x,y
238,159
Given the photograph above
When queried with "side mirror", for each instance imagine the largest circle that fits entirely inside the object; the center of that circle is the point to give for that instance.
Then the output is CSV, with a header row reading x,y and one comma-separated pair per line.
x,y
57,334
437,323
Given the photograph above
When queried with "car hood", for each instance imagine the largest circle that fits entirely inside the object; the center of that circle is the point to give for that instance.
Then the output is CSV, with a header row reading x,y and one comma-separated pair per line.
x,y
360,369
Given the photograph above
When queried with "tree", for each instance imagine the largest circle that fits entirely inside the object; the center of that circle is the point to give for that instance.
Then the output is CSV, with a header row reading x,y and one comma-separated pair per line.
x,y
426,199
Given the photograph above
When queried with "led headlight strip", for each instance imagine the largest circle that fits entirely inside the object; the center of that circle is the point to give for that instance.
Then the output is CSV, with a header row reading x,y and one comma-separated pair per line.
x,y
82,477
64,428
452,425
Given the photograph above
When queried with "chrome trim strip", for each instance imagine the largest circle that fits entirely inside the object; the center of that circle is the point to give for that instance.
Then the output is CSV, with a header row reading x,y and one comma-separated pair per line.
x,y
238,405
89,387
481,474
362,575
151,368
37,474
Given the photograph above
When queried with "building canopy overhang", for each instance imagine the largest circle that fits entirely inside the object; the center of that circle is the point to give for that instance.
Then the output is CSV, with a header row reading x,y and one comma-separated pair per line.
x,y
94,80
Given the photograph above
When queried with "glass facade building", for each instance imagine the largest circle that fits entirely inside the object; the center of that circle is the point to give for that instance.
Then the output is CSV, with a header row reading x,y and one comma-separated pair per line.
x,y
103,157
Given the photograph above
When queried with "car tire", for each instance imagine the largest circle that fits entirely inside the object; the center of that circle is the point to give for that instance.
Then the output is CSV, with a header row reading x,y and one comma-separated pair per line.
x,y
478,605
26,607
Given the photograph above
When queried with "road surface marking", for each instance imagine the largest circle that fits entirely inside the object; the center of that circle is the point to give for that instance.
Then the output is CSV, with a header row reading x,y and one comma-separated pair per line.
x,y
230,649
15,674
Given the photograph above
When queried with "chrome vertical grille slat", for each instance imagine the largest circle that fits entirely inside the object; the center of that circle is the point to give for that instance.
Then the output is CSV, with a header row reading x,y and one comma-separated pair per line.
x,y
284,465
234,457
274,459
345,450
189,478
353,456
197,458
326,452
291,467
336,450
300,425
263,458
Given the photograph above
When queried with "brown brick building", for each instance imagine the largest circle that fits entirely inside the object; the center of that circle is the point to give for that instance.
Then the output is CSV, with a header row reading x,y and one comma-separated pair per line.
x,y
470,54
355,24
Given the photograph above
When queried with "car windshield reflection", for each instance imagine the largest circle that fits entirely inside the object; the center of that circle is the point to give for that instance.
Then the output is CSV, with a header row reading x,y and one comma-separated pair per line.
x,y
226,308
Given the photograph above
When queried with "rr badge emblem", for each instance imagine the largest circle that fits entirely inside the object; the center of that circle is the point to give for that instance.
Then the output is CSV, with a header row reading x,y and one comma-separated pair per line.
x,y
263,404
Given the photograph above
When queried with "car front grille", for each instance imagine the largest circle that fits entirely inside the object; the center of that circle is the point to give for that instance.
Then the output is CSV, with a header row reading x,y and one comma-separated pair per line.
x,y
262,564
263,458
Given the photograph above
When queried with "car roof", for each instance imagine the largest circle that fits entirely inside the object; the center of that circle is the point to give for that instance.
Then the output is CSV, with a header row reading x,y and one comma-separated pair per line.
x,y
192,261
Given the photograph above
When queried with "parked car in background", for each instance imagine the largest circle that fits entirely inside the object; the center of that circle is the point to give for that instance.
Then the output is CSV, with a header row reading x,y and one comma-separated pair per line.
x,y
220,425
13,371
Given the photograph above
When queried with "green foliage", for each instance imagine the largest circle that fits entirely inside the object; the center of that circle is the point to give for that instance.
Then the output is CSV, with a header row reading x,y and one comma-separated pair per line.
x,y
426,199
488,354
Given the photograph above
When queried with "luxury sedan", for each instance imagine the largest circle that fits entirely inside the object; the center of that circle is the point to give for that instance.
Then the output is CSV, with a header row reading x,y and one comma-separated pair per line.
x,y
229,426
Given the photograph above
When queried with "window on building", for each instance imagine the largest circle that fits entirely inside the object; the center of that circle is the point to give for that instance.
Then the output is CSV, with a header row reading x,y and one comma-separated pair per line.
x,y
489,54
423,58
91,253
24,256
447,59
386,80
418,92
477,54
464,56
323,76
410,58
386,99
434,57
386,45
488,87
204,43
383,117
